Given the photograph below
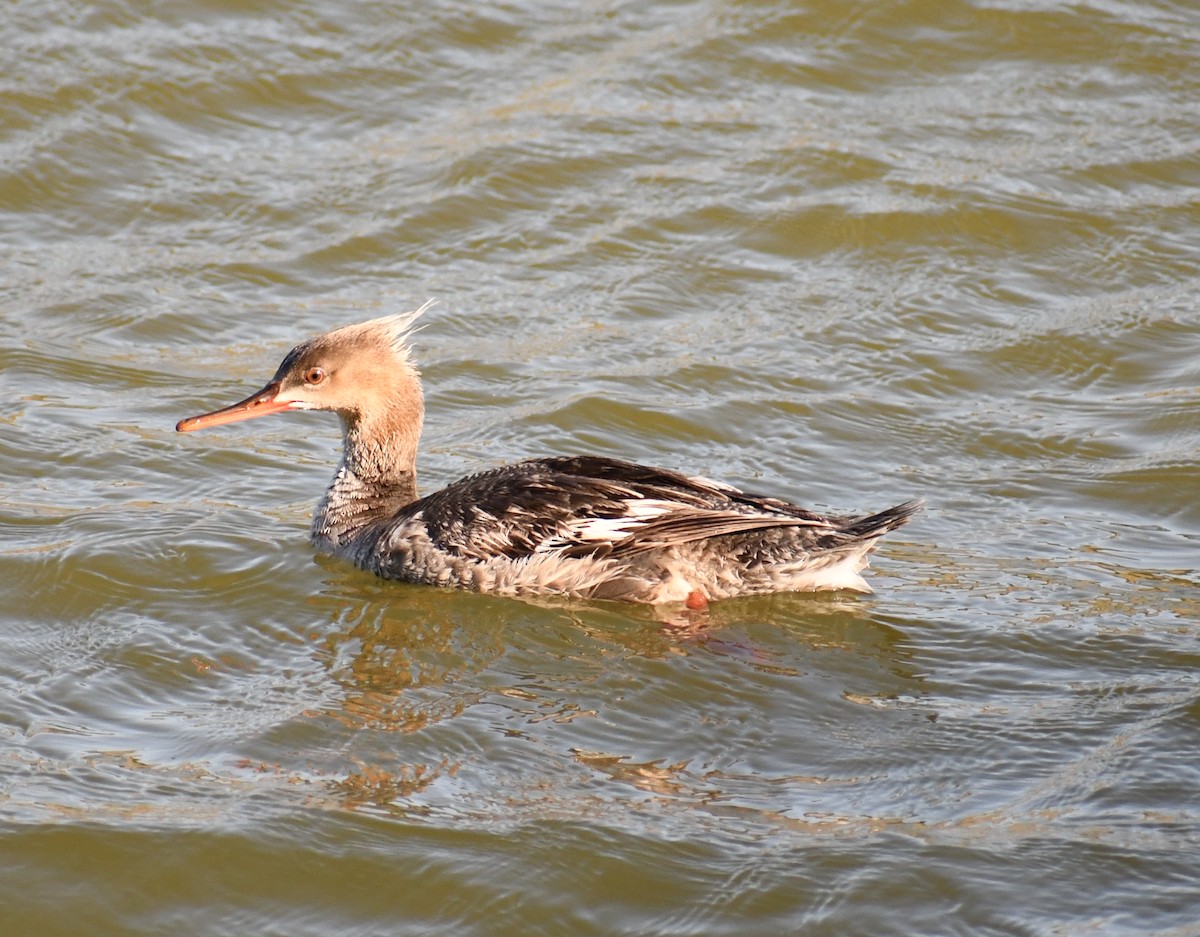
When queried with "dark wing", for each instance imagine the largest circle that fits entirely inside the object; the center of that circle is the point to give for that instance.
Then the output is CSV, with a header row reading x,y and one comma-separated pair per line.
x,y
591,506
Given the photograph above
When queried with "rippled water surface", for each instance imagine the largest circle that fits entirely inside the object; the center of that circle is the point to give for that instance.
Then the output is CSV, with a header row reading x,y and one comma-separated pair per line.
x,y
843,253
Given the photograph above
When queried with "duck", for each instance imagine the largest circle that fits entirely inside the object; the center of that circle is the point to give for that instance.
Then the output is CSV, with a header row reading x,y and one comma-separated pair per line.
x,y
588,527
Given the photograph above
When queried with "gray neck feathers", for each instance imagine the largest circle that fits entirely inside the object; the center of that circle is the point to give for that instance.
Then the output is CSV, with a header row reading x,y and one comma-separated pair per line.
x,y
374,480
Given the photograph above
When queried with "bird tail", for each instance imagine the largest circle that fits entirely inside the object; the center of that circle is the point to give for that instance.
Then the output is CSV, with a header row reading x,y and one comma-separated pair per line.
x,y
871,526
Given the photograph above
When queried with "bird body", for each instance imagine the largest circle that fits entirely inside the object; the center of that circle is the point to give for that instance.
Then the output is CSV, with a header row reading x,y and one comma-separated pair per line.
x,y
587,527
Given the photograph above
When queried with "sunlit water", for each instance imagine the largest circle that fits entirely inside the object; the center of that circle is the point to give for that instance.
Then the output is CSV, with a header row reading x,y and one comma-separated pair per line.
x,y
845,254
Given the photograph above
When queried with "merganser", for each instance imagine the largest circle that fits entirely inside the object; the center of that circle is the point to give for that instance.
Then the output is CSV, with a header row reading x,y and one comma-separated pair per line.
x,y
585,526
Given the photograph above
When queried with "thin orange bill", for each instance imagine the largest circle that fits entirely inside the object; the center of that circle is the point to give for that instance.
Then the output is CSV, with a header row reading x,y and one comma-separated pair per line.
x,y
260,403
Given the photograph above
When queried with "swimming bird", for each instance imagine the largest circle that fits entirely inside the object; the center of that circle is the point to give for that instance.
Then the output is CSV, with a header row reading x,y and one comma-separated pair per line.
x,y
582,526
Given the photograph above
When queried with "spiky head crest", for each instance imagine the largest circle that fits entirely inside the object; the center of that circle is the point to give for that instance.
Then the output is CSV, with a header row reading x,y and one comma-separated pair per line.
x,y
396,329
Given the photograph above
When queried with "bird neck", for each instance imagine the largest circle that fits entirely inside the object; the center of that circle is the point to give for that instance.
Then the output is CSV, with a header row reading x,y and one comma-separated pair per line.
x,y
376,478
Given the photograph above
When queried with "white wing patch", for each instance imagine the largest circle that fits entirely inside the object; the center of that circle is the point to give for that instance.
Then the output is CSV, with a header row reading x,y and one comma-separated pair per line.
x,y
638,513
715,485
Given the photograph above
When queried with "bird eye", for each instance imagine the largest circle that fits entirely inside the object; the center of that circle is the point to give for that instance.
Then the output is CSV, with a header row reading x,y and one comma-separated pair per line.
x,y
314,375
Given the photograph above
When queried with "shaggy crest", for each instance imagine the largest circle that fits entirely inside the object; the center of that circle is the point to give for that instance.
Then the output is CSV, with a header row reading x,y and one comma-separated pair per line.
x,y
396,328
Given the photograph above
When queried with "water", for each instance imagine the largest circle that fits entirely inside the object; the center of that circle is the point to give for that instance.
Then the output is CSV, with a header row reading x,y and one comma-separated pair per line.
x,y
846,254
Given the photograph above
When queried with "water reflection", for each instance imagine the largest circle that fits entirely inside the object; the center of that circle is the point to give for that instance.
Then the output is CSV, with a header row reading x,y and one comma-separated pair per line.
x,y
601,692
404,660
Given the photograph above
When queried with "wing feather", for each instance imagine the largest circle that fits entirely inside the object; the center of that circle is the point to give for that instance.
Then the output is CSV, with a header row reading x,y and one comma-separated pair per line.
x,y
689,525
591,506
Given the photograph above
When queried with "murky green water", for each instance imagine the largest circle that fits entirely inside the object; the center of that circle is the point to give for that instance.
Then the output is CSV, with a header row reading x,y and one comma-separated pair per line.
x,y
848,254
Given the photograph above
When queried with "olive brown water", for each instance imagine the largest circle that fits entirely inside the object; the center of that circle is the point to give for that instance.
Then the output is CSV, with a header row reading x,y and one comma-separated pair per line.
x,y
846,254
